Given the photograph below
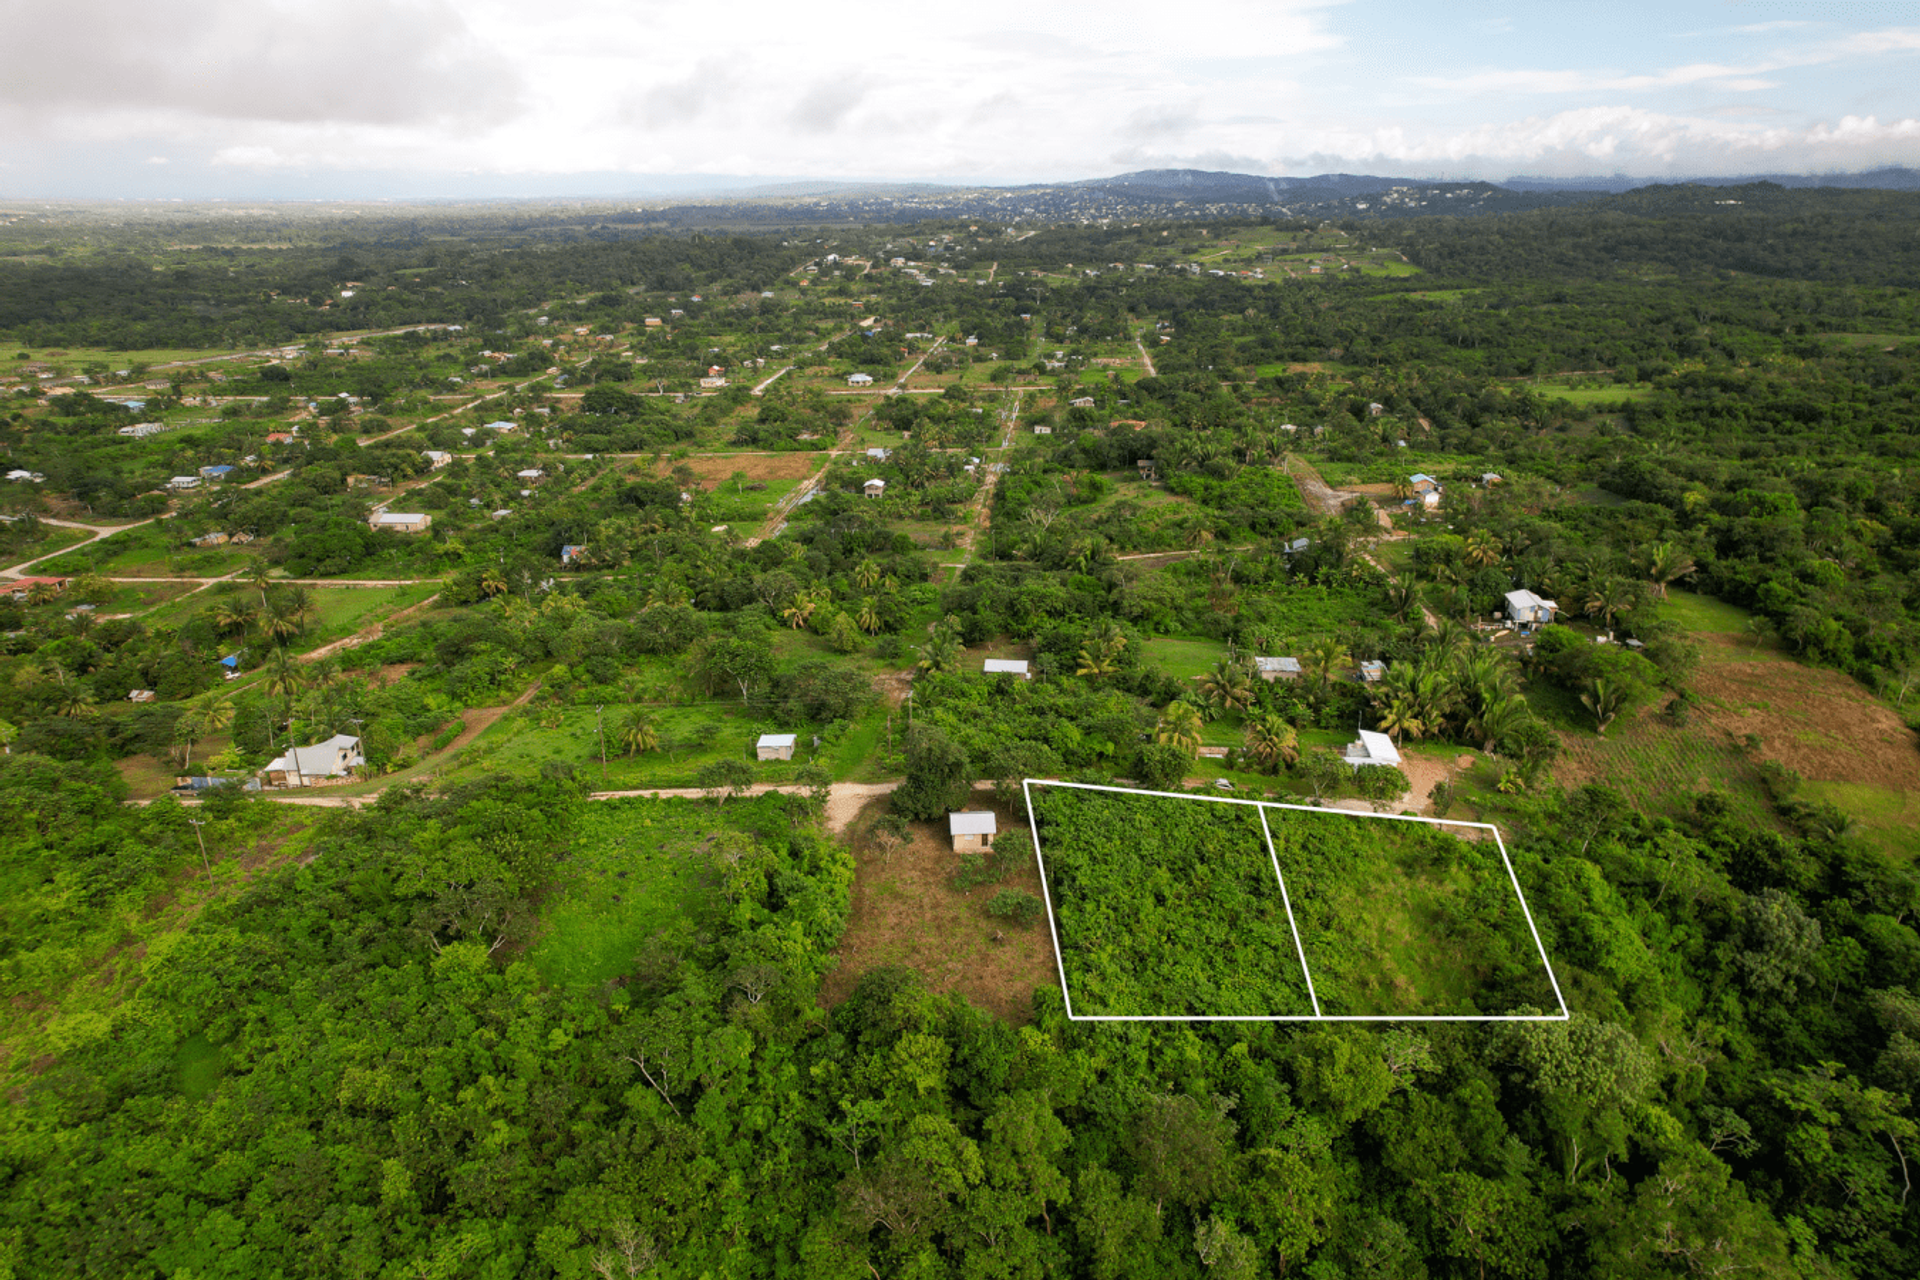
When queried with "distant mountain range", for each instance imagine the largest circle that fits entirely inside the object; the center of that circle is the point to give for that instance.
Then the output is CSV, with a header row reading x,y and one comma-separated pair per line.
x,y
1199,193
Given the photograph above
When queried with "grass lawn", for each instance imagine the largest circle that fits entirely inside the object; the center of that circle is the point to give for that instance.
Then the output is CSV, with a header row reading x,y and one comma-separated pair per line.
x,y
1884,818
340,611
635,883
1185,658
149,552
1595,395
1702,614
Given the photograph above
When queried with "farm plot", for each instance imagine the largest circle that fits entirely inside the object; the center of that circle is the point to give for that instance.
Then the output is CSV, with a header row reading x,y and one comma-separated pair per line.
x,y
1171,907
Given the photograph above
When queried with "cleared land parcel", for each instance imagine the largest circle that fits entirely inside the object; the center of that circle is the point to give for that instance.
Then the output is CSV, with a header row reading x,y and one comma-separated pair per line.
x,y
1178,907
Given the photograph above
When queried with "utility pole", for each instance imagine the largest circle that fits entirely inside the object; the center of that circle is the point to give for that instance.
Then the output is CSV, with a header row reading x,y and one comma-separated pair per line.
x,y
196,824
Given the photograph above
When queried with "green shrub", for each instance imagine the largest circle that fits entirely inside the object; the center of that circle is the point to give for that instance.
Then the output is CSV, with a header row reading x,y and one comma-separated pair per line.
x,y
1016,906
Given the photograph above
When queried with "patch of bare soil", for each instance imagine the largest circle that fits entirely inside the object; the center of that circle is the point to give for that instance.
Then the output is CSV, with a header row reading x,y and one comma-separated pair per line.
x,y
1819,723
1423,772
906,912
758,467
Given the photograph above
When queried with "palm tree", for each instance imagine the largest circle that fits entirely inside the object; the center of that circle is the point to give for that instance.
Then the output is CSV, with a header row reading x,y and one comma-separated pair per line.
x,y
1609,597
867,617
277,622
1400,717
1497,719
1323,658
284,680
1272,742
1483,548
493,581
259,579
941,653
1604,699
1665,562
1228,685
1099,658
638,734
206,715
1179,726
74,700
234,615
867,573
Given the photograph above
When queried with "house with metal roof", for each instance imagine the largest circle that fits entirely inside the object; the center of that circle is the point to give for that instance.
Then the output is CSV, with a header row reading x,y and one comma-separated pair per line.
x,y
337,757
775,746
1529,610
972,830
1372,748
1008,667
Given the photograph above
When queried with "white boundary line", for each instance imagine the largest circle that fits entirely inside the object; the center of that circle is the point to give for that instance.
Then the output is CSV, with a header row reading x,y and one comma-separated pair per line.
x,y
1053,928
1287,902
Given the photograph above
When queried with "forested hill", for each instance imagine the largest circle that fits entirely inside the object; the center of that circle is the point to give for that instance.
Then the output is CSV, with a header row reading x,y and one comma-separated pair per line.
x,y
1838,236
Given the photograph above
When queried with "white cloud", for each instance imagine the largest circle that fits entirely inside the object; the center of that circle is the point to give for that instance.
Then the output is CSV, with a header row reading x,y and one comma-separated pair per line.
x,y
299,89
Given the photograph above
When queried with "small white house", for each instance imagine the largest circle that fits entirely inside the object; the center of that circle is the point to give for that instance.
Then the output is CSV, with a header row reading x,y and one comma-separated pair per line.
x,y
183,483
875,488
972,830
1373,748
1008,667
775,746
1042,429
437,458
400,521
1529,610
337,757
1277,668
1081,402
860,380
1372,670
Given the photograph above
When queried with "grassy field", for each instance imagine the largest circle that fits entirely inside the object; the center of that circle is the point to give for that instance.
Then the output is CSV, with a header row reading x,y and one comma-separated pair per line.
x,y
1702,614
1883,817
1184,658
1594,395
636,881
149,551
1406,918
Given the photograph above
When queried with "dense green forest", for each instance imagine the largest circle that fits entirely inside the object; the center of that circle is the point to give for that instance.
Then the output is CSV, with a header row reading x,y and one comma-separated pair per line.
x,y
499,1007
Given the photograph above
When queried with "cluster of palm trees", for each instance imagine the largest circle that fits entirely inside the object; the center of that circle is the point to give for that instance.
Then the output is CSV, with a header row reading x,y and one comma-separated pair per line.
x,y
1594,581
941,652
1452,689
281,614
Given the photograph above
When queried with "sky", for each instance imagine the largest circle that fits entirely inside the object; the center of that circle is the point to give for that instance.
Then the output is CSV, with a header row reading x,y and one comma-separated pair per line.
x,y
352,99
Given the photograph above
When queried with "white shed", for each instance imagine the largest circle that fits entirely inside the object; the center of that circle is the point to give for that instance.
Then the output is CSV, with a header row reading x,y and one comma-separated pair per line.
x,y
972,830
775,746
1373,748
1008,667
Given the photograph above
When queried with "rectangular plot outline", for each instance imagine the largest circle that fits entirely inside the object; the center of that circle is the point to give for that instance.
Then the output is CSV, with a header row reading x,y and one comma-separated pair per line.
x,y
1053,928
